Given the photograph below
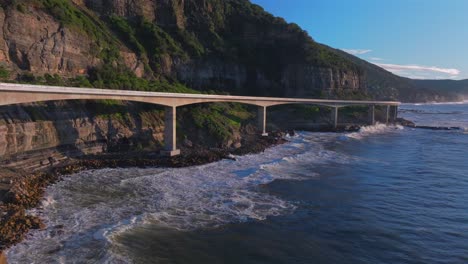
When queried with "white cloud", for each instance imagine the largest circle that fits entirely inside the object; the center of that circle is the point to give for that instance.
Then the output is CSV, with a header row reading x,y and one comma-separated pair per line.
x,y
418,68
417,77
413,71
357,51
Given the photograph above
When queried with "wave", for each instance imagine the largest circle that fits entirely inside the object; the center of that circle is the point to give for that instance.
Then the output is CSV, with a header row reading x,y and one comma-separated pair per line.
x,y
438,103
448,117
430,112
370,130
86,213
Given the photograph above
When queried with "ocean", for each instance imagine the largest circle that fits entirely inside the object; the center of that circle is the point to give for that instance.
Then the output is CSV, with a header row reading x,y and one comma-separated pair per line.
x,y
385,194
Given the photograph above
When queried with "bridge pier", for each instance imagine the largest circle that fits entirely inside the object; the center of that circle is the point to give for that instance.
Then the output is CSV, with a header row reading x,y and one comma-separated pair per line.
x,y
170,135
334,116
372,115
262,120
394,113
387,114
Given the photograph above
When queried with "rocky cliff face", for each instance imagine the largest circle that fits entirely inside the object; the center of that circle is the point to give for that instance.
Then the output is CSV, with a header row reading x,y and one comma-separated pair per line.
x,y
207,44
41,126
223,45
266,56
34,41
308,80
70,129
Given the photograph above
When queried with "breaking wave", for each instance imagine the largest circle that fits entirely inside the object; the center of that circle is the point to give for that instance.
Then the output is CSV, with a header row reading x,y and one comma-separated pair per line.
x,y
86,211
439,103
375,129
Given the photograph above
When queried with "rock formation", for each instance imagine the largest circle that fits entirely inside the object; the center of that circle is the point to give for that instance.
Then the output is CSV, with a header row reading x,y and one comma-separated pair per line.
x,y
233,41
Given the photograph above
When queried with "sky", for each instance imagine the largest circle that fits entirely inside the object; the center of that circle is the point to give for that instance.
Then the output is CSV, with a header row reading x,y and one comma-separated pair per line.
x,y
420,39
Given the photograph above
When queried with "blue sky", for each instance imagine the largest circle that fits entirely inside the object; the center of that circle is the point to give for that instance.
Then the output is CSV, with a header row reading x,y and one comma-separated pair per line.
x,y
423,39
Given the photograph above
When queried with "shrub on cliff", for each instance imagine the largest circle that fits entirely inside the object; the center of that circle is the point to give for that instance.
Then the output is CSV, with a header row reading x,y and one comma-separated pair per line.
x,y
4,73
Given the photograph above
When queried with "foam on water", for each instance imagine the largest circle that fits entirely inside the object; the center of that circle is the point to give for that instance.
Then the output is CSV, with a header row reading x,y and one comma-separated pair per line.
x,y
439,103
84,212
375,129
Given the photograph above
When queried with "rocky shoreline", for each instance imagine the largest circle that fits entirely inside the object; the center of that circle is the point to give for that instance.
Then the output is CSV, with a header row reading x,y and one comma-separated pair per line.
x,y
26,189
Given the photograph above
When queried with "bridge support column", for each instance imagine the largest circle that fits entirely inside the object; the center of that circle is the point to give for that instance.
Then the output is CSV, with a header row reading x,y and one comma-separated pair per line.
x,y
334,116
387,114
262,120
394,113
170,139
372,115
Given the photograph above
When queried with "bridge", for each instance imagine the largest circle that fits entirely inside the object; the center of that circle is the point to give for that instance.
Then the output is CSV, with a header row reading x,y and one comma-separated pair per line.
x,y
21,93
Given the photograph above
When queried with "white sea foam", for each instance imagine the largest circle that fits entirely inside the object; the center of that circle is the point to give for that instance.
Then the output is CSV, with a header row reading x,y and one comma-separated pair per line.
x,y
47,201
295,135
375,129
438,103
85,212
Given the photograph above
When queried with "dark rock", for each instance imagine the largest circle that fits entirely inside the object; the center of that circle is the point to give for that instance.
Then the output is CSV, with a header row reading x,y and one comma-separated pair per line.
x,y
405,122
188,143
438,128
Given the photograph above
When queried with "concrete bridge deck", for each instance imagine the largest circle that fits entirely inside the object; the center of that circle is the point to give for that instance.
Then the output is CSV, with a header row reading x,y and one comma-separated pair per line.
x,y
22,93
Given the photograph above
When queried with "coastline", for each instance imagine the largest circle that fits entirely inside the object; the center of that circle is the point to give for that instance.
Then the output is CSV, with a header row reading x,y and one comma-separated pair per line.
x,y
27,190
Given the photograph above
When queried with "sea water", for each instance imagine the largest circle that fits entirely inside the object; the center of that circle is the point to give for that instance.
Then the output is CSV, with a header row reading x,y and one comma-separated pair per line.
x,y
385,194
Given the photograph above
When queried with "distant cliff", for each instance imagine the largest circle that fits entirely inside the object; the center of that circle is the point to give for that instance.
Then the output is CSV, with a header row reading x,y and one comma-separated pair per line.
x,y
382,84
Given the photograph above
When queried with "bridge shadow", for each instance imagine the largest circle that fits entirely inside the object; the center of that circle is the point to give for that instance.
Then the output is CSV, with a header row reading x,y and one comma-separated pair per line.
x,y
319,118
298,117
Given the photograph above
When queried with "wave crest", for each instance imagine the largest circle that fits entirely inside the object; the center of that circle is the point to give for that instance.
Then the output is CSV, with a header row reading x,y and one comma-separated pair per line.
x,y
378,128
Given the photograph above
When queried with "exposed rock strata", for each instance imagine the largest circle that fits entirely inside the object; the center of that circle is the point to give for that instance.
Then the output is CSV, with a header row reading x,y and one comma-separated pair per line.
x,y
34,41
306,79
35,127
